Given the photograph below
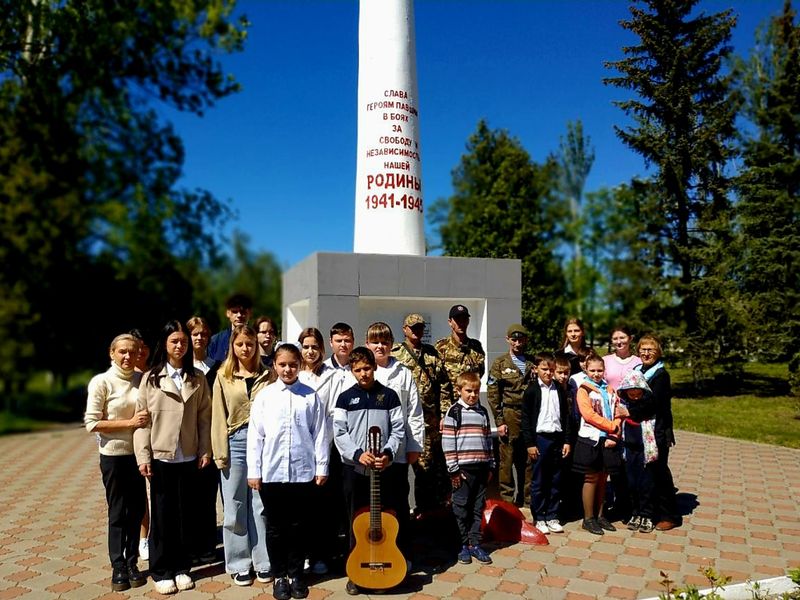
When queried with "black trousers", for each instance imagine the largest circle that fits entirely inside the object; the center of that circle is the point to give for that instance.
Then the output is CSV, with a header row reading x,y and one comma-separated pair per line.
x,y
126,497
666,501
356,492
206,510
287,505
329,519
395,479
640,481
469,501
173,494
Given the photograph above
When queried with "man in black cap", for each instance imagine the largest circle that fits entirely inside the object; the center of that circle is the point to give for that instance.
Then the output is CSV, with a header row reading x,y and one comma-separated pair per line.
x,y
460,353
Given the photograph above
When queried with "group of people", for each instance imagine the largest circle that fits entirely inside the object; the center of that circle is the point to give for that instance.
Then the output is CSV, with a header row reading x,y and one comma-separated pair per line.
x,y
571,420
282,433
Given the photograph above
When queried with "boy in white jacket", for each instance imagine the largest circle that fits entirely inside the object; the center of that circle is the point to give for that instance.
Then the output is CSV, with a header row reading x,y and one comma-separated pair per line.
x,y
395,375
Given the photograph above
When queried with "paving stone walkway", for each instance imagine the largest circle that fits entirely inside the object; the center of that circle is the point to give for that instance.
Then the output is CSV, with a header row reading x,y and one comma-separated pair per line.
x,y
740,499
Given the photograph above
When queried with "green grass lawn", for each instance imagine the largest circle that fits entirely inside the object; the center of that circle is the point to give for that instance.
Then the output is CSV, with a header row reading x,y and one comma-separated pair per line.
x,y
11,423
759,408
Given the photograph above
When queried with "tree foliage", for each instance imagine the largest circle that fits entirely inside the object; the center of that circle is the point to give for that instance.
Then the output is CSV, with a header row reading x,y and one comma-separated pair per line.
x,y
625,233
498,210
90,210
769,190
575,159
257,274
683,113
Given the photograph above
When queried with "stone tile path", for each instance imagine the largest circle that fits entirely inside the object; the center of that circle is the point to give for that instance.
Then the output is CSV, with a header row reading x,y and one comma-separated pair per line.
x,y
741,500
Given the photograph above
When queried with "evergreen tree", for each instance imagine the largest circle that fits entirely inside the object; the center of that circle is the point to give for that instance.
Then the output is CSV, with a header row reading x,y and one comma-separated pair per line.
x,y
498,210
92,219
630,258
769,190
683,122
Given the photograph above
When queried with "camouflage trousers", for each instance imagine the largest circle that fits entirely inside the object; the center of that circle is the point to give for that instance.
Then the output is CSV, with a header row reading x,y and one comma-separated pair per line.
x,y
431,482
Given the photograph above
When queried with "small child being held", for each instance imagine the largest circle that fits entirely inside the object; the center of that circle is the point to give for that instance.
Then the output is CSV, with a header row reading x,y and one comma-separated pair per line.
x,y
467,446
640,448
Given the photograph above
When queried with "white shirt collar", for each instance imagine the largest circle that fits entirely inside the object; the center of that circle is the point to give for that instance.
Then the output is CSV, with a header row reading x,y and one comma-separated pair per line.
x,y
543,385
172,371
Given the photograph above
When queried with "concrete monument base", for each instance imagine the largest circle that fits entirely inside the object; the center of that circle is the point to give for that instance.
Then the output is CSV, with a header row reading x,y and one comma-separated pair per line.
x,y
360,289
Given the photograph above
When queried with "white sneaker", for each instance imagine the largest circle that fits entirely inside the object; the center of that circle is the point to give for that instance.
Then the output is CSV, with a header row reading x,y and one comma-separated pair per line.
x,y
542,526
165,586
144,549
554,526
183,582
307,566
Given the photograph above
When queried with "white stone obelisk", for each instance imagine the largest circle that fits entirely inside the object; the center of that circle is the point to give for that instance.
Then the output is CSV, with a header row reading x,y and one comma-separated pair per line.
x,y
389,204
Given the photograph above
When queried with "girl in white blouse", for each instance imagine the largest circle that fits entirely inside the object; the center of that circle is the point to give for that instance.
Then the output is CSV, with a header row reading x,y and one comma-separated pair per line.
x,y
288,445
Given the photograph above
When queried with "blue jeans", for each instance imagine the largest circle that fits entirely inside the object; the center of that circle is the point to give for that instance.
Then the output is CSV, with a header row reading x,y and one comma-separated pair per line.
x,y
469,500
244,527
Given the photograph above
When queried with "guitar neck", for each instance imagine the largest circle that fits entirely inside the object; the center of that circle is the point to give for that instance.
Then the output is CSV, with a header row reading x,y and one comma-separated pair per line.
x,y
374,500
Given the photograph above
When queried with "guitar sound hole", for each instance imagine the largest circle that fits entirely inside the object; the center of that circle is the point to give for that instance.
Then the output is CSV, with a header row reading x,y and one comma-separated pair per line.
x,y
375,535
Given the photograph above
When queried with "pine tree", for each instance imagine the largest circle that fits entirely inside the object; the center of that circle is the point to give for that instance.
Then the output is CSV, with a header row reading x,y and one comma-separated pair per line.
x,y
498,210
683,123
769,190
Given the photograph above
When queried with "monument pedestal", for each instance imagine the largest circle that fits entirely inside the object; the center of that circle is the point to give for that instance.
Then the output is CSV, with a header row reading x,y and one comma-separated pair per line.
x,y
360,289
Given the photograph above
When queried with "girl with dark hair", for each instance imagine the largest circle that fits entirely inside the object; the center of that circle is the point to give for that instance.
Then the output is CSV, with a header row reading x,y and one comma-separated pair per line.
x,y
169,451
239,380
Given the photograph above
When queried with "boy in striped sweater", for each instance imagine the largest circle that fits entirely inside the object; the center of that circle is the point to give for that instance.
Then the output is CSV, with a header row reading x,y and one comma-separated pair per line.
x,y
467,445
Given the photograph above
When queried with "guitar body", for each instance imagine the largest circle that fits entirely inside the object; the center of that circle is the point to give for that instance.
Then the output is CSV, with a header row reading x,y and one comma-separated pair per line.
x,y
376,564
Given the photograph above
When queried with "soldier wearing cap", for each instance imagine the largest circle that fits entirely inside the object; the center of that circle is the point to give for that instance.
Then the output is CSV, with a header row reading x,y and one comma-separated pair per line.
x,y
508,379
460,353
431,484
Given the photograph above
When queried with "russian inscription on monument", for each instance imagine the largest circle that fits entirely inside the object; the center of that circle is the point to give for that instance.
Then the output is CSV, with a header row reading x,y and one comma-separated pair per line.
x,y
389,199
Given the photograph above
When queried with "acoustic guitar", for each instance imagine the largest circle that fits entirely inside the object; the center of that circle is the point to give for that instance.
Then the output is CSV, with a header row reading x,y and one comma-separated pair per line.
x,y
375,562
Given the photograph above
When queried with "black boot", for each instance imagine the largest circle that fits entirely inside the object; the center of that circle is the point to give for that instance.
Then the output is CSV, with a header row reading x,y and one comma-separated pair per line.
x,y
136,577
119,579
298,588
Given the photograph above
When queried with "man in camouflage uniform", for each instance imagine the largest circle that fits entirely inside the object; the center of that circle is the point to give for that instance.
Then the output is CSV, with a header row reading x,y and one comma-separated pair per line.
x,y
460,353
508,378
432,484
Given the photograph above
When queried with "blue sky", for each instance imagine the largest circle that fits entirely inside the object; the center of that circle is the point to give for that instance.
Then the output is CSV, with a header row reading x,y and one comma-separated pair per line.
x,y
283,151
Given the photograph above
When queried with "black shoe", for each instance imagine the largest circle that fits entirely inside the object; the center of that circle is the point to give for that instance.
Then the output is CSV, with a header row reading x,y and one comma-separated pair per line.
x,y
119,579
592,526
298,588
280,589
352,589
605,524
136,577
